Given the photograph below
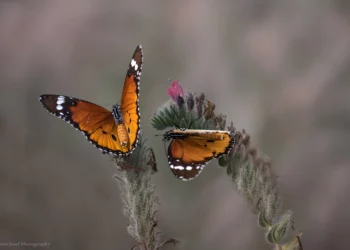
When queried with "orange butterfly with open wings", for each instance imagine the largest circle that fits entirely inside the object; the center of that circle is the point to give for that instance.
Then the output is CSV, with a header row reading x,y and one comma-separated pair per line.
x,y
115,132
190,149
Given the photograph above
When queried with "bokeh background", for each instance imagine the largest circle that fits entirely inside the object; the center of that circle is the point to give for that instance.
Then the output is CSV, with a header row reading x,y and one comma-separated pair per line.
x,y
279,69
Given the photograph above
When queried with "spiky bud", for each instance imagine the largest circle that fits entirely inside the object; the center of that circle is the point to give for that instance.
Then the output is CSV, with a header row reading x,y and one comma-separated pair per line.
x,y
180,101
209,110
199,104
190,102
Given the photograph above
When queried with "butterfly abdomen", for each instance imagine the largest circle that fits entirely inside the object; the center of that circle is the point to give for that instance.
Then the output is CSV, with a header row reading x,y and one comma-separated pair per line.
x,y
122,135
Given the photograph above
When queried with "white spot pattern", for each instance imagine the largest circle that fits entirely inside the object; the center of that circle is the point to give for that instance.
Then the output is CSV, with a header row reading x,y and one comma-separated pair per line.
x,y
60,99
134,64
179,167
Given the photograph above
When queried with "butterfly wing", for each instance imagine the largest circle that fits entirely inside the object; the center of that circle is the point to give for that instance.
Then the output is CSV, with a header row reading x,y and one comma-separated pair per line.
x,y
191,150
96,122
129,104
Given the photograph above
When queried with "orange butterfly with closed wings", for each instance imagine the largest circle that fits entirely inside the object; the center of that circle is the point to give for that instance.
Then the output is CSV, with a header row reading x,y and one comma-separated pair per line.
x,y
115,132
190,149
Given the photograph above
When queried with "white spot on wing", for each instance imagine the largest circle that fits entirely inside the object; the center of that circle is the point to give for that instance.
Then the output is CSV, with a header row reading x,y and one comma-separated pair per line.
x,y
60,98
60,101
179,167
59,107
189,168
134,64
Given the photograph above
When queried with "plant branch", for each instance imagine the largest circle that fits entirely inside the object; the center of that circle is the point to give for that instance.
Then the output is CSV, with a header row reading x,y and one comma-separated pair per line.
x,y
138,195
251,172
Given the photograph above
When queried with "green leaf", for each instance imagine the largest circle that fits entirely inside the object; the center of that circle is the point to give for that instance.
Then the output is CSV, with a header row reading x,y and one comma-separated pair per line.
x,y
279,230
170,116
263,220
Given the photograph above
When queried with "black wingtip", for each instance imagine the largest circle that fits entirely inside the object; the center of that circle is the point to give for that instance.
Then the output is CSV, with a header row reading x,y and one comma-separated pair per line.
x,y
41,98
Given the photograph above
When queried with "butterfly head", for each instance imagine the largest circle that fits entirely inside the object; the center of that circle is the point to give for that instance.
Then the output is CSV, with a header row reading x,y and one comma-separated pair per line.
x,y
167,136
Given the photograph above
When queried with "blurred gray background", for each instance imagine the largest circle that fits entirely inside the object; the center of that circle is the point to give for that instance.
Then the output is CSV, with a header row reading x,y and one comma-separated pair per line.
x,y
279,69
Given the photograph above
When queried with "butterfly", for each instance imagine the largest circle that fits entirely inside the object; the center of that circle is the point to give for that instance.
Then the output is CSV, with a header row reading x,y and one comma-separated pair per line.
x,y
114,132
190,149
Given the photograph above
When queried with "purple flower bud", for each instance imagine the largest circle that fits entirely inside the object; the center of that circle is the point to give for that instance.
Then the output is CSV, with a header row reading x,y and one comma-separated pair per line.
x,y
190,101
180,101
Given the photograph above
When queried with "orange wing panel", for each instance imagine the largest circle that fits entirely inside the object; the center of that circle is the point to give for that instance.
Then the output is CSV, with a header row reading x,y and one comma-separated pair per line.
x,y
129,104
96,122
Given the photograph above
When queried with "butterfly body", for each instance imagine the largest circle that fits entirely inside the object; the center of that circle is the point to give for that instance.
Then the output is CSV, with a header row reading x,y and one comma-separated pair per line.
x,y
190,150
115,132
121,129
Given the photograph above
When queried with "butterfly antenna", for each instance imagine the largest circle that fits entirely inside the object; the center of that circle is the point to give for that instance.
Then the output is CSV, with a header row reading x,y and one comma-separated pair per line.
x,y
165,149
